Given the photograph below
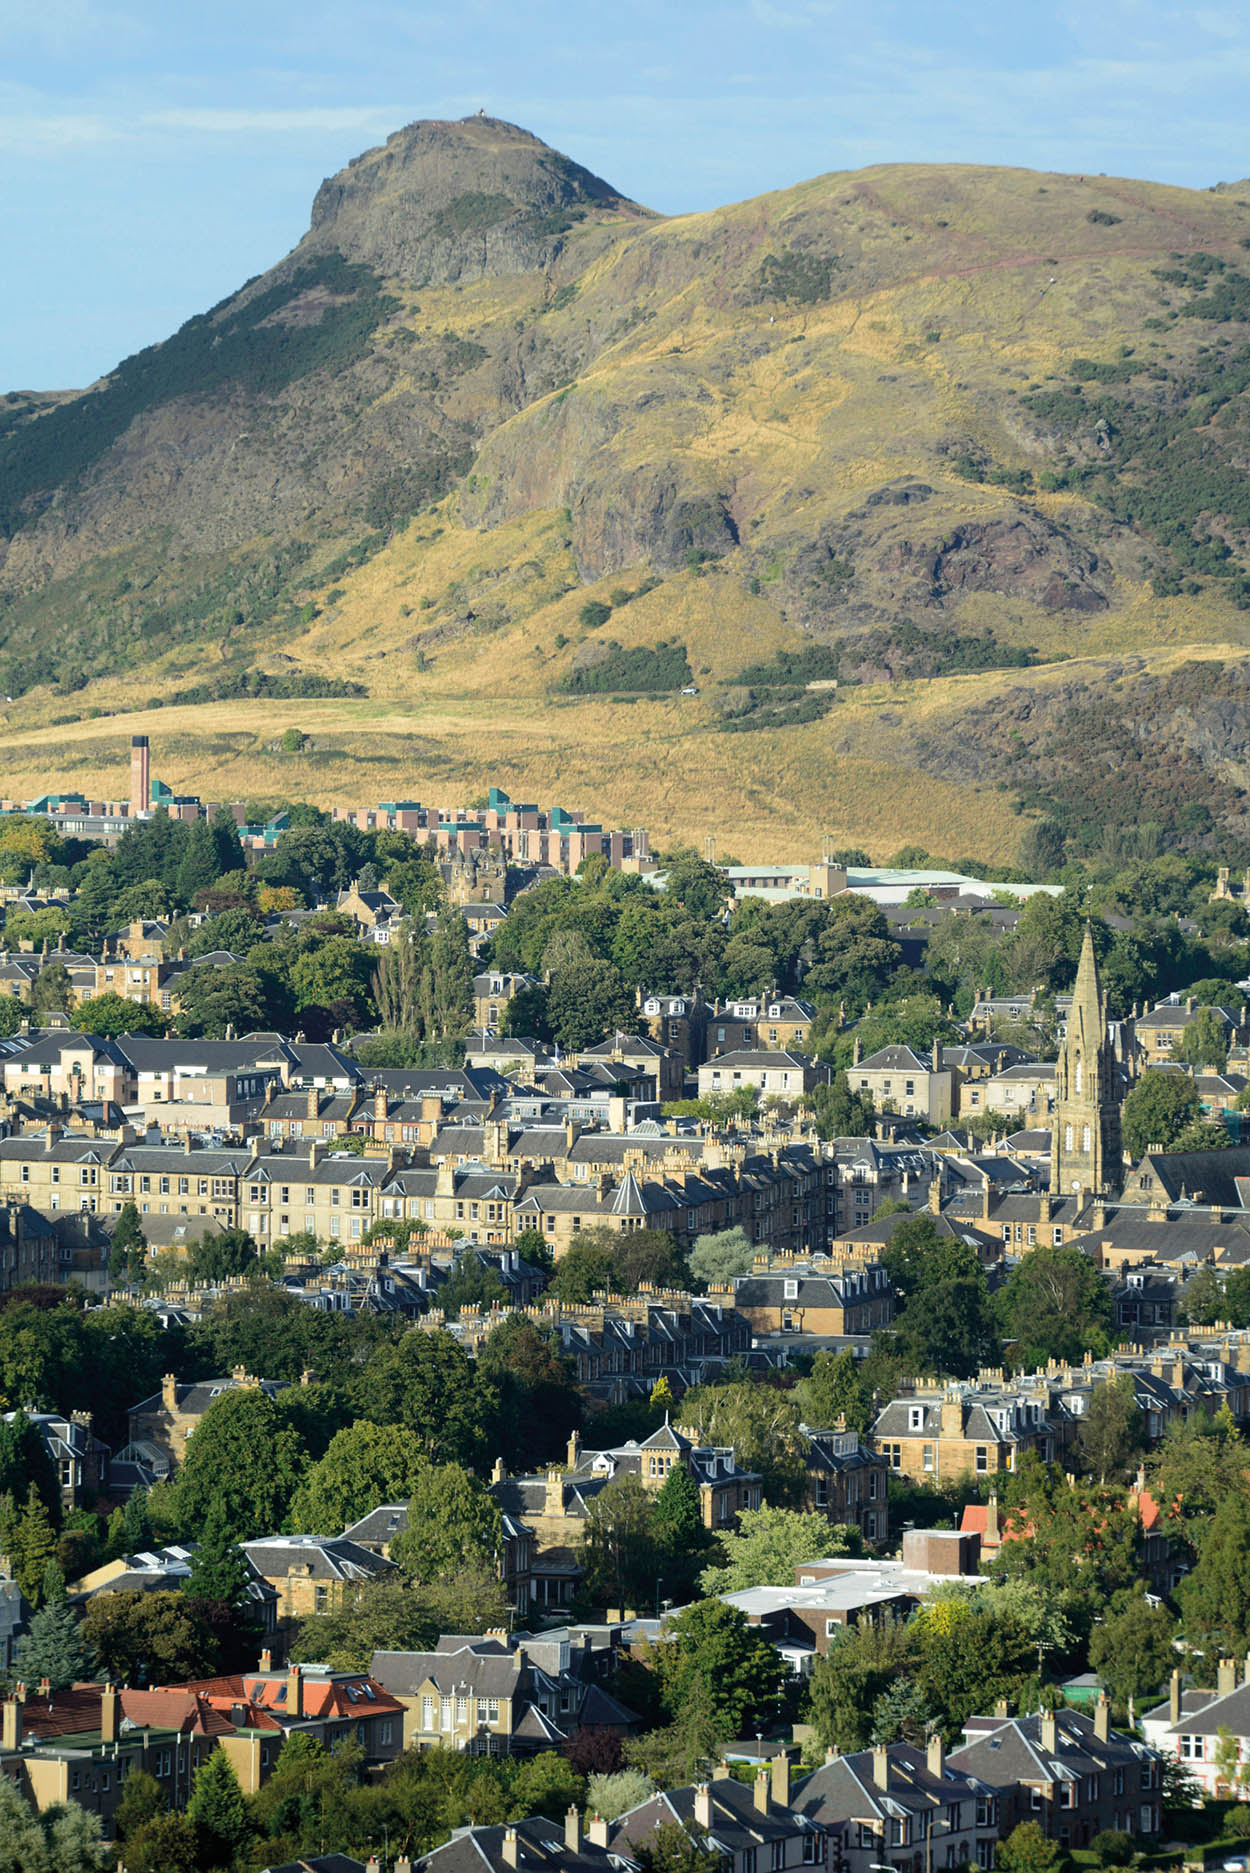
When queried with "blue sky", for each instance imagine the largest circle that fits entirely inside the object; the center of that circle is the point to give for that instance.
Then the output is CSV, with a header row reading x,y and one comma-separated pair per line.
x,y
156,154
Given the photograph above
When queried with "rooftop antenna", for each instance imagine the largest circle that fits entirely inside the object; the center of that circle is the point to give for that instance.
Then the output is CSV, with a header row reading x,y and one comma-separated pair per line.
x,y
709,849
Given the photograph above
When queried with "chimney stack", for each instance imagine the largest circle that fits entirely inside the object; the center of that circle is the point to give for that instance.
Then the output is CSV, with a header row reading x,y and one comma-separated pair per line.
x,y
1102,1718
295,1692
702,1805
108,1714
11,1724
1047,1731
1174,1698
936,1755
881,1766
509,1850
781,1779
1226,1677
140,775
763,1790
596,1832
573,1830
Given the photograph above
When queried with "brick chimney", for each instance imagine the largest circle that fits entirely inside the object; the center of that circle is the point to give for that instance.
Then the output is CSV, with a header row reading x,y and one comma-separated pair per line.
x,y
169,1392
509,1848
312,1104
596,1832
781,1779
936,1755
266,1660
1174,1698
881,1766
1226,1677
573,1830
11,1724
294,1692
379,1103
1046,1731
702,1804
1102,1718
762,1792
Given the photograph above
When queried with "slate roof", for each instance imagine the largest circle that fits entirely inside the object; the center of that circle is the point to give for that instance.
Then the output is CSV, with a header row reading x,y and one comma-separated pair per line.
x,y
326,1557
538,1843
1001,1752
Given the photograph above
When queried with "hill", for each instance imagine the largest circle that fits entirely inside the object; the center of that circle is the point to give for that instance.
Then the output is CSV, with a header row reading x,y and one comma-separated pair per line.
x,y
522,460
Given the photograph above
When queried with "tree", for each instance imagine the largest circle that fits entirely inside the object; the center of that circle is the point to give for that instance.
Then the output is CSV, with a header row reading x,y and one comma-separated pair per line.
x,y
761,1425
1157,1111
136,1522
712,1643
165,1844
1028,1850
614,1794
395,1616
837,1111
860,1666
243,1460
1203,1299
1215,1597
427,1383
677,1525
588,1000
147,1638
365,1465
128,1252
1204,1135
61,1839
720,1257
1054,1305
219,1571
540,1403
223,1256
676,1847
51,991
835,1389
217,1810
969,1654
684,1750
53,1647
1204,1042
620,1550
768,1545
1131,1648
588,1266
34,1546
1112,1432
142,1800
453,1525
111,1014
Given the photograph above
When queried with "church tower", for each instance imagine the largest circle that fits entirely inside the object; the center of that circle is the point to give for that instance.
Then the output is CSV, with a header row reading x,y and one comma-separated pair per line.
x,y
1085,1146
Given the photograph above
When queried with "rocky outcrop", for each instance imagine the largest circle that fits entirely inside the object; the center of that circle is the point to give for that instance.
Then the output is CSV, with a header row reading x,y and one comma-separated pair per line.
x,y
441,202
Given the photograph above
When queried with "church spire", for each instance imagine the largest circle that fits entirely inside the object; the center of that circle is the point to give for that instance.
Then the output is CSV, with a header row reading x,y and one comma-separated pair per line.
x,y
1086,1152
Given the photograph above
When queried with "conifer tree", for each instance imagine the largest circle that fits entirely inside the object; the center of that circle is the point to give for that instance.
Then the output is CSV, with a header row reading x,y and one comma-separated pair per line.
x,y
136,1522
217,1811
34,1546
53,1646
128,1256
218,1569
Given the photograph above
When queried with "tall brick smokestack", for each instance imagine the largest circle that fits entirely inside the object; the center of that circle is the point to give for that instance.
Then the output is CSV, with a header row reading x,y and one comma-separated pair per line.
x,y
140,775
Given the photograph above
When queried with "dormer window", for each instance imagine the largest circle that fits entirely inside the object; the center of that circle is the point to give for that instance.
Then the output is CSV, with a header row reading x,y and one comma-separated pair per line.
x,y
915,1417
792,1291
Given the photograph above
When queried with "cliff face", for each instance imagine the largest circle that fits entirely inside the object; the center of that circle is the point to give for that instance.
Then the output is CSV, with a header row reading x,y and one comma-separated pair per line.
x,y
936,420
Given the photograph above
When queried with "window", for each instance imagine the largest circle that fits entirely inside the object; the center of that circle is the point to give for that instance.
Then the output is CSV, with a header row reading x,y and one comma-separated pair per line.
x,y
983,1459
811,1849
1191,1749
927,1457
427,1713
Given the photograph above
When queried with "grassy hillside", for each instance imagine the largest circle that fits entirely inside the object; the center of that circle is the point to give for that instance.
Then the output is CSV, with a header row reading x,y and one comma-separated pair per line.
x,y
977,433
